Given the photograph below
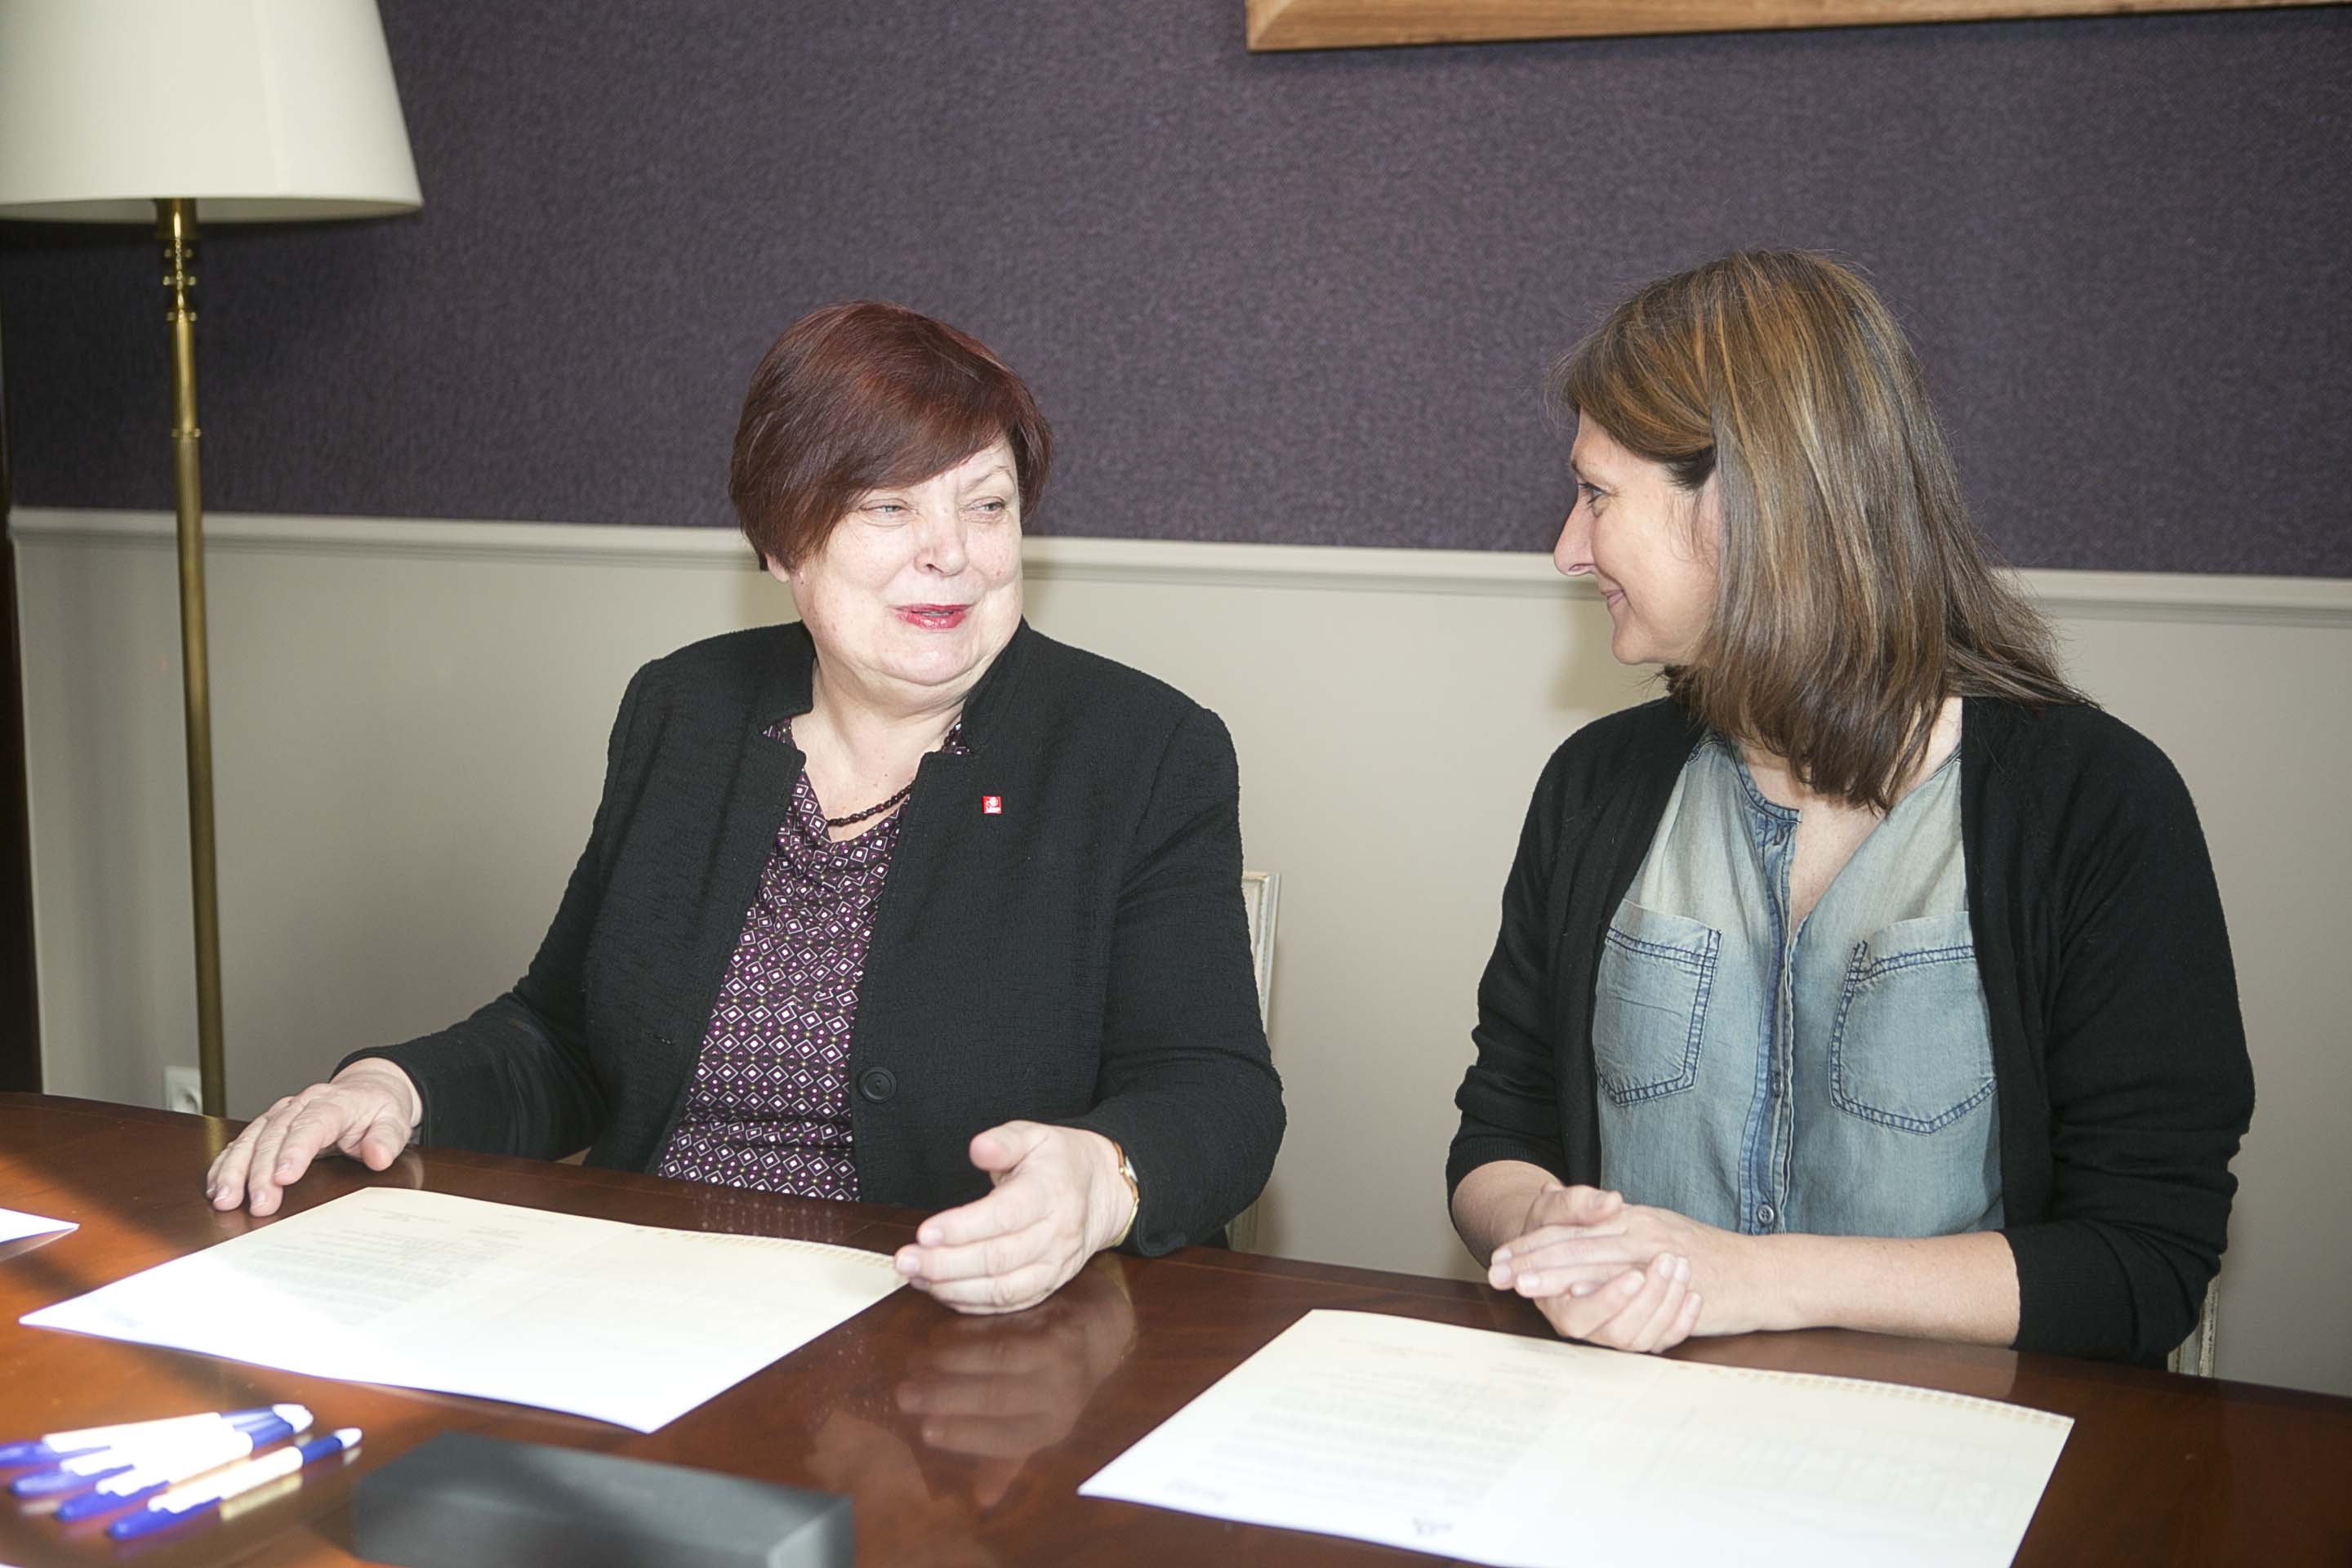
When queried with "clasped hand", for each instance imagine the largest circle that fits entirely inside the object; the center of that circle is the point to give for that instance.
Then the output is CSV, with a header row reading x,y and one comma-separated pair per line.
x,y
1058,1200
1620,1274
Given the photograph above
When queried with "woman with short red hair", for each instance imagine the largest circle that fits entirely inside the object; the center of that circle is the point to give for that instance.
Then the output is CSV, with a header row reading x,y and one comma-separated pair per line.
x,y
903,902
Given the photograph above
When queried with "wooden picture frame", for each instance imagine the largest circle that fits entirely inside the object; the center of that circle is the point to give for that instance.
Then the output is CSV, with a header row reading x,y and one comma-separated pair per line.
x,y
1276,25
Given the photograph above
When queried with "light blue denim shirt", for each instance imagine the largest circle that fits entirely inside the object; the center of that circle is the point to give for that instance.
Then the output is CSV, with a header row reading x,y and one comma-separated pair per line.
x,y
1835,1079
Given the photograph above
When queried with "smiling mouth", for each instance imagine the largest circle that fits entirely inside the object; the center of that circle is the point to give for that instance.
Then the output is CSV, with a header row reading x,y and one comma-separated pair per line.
x,y
934,617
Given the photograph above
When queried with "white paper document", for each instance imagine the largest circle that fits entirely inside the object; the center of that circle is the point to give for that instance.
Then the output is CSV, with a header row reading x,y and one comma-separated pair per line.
x,y
1527,1453
626,1323
16,1225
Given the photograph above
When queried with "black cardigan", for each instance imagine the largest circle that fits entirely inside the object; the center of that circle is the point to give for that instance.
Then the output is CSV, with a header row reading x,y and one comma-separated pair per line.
x,y
2120,1060
1079,957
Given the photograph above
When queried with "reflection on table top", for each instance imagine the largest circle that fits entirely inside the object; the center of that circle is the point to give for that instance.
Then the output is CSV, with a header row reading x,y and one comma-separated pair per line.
x,y
963,1440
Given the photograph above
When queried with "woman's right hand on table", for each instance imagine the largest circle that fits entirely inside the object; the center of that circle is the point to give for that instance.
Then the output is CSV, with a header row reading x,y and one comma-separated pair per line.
x,y
368,1111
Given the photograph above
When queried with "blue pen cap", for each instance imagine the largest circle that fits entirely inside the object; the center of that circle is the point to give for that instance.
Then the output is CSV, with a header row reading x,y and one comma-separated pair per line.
x,y
95,1502
38,1453
267,1432
50,1483
151,1519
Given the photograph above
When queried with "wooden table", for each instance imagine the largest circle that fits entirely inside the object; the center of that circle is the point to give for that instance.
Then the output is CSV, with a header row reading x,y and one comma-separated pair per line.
x,y
965,1440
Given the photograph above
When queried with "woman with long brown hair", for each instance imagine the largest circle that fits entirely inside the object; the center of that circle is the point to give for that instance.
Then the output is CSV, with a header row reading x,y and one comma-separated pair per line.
x,y
1872,977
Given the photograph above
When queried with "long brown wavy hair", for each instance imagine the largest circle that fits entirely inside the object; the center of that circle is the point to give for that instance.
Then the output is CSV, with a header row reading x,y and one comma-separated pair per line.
x,y
1852,595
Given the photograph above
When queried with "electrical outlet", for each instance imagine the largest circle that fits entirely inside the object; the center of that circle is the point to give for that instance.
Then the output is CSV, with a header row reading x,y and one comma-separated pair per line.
x,y
183,1090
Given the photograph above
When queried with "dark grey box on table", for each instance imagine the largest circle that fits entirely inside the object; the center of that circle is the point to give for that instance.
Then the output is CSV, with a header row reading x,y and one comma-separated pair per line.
x,y
462,1500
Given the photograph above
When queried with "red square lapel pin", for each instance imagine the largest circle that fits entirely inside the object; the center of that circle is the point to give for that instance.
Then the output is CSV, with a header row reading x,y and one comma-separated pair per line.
x,y
991,805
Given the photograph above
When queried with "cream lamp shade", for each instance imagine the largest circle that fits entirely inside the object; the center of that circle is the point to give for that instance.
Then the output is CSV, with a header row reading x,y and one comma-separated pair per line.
x,y
260,111
179,113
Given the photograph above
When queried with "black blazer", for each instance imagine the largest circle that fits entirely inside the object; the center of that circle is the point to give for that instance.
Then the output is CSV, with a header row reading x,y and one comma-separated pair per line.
x,y
1080,956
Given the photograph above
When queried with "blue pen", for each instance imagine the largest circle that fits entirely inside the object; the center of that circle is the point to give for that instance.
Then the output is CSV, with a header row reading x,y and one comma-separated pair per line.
x,y
84,1470
84,1440
166,1470
205,1497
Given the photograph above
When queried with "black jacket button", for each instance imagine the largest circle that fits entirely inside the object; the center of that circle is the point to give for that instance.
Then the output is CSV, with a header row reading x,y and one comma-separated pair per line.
x,y
876,1084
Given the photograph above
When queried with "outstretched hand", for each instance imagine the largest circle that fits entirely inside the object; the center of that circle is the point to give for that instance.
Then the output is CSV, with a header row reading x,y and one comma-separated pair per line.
x,y
1058,1200
368,1111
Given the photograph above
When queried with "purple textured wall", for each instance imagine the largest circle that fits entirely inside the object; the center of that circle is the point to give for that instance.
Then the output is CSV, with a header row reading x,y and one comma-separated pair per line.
x,y
1303,298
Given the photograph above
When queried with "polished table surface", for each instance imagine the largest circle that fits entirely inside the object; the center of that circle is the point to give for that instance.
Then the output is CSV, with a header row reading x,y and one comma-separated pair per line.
x,y
965,1440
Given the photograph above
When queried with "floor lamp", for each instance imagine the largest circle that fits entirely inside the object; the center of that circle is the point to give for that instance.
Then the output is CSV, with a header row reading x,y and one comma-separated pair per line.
x,y
169,111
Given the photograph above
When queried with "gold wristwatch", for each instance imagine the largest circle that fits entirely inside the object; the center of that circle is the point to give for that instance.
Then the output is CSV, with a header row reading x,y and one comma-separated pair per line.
x,y
1134,1191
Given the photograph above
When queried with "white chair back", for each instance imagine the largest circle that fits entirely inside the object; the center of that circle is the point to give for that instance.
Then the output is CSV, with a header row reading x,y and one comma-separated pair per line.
x,y
2194,1355
1261,892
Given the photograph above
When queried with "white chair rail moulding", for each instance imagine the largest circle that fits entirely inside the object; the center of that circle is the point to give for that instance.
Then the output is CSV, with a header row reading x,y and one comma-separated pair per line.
x,y
260,110
2322,602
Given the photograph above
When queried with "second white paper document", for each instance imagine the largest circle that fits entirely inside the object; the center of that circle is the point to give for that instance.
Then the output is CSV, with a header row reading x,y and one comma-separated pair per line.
x,y
1528,1453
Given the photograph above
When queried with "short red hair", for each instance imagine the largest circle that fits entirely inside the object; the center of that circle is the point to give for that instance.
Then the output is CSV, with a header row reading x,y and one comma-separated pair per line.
x,y
859,395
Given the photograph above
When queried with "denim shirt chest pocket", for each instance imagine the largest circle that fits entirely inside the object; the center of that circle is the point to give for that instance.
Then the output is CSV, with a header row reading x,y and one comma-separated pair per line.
x,y
1650,1002
1911,1046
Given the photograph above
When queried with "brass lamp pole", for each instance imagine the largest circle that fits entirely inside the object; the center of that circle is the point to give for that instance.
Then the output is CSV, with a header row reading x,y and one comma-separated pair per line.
x,y
294,118
176,226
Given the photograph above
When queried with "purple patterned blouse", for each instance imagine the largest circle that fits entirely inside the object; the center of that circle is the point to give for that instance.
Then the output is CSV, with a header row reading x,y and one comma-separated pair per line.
x,y
769,1106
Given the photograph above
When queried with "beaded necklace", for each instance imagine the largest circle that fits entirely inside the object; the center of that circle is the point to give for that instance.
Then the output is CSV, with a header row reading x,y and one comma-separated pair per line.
x,y
871,810
954,737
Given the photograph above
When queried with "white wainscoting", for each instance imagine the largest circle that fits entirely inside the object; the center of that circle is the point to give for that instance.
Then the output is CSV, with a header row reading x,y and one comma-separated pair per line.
x,y
409,723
